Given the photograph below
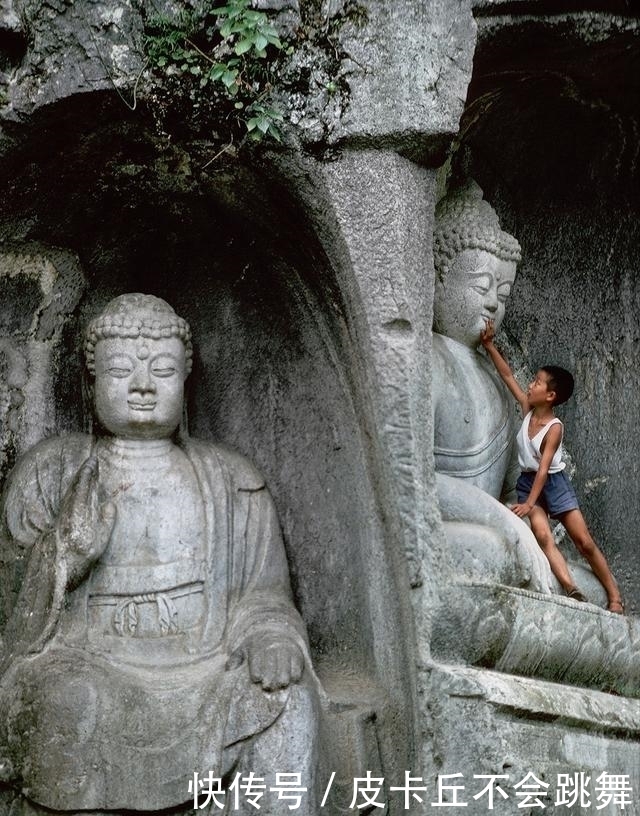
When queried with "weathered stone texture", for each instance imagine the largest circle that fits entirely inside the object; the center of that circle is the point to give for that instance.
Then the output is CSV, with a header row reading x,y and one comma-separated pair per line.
x,y
40,289
409,67
307,274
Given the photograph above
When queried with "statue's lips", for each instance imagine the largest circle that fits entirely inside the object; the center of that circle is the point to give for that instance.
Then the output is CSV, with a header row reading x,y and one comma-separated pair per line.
x,y
141,406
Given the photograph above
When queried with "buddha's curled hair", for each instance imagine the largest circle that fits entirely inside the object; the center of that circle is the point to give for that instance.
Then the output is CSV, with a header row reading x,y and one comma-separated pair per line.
x,y
464,220
136,315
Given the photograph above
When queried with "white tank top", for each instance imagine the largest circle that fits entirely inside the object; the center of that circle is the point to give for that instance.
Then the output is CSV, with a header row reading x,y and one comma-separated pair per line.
x,y
529,449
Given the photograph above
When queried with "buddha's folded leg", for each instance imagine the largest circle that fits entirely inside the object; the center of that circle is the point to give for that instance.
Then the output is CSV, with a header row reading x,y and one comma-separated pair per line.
x,y
289,747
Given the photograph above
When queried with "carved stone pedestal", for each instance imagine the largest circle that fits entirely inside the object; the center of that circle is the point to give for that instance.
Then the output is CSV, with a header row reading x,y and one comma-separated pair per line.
x,y
517,631
533,732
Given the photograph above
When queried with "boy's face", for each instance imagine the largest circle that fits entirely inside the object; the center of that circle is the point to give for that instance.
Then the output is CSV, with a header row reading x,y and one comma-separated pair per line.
x,y
474,290
539,392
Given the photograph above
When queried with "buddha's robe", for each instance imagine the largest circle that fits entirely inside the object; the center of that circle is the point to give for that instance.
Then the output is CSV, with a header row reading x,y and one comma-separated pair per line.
x,y
474,421
115,692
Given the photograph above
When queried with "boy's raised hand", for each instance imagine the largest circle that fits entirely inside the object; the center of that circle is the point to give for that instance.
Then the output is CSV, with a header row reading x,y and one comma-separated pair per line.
x,y
502,366
488,333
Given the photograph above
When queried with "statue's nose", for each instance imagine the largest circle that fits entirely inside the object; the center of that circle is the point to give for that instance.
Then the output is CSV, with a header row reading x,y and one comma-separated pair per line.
x,y
142,383
491,300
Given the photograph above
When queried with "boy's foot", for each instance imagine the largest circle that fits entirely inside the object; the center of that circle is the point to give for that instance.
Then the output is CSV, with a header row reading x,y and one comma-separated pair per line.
x,y
616,606
575,594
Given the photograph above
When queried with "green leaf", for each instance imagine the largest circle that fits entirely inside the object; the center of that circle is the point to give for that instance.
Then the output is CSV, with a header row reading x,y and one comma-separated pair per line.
x,y
217,71
243,46
229,78
261,42
239,105
252,123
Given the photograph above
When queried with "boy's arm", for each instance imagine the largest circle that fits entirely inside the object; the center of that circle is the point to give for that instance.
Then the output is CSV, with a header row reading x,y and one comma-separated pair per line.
x,y
502,366
550,445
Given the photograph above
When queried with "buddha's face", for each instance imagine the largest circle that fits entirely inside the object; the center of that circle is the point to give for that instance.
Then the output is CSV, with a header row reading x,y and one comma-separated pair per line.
x,y
475,289
139,386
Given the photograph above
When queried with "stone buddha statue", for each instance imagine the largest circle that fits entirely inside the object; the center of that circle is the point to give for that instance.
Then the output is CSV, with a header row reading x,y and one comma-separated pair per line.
x,y
500,606
150,632
475,459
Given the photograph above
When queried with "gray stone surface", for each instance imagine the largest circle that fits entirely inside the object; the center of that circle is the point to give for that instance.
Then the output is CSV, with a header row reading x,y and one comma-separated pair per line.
x,y
407,69
307,275
378,72
272,327
153,633
70,48
488,723
41,288
552,156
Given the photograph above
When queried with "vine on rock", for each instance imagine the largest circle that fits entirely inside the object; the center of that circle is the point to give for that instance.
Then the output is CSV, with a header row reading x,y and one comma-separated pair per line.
x,y
222,71
224,57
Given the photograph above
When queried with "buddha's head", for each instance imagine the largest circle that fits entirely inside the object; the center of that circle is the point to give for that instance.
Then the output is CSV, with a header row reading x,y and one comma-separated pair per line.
x,y
139,353
475,262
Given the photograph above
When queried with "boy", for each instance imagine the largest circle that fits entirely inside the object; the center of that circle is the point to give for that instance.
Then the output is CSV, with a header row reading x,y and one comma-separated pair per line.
x,y
543,488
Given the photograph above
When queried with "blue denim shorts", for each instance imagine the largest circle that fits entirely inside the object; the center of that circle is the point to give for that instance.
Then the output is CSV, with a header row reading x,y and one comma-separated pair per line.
x,y
557,496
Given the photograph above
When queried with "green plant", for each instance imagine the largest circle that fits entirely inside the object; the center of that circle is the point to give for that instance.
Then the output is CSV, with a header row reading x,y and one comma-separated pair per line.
x,y
263,120
246,28
229,50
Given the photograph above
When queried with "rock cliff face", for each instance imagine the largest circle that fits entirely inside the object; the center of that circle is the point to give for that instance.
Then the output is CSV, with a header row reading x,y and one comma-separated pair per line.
x,y
362,71
307,360
305,269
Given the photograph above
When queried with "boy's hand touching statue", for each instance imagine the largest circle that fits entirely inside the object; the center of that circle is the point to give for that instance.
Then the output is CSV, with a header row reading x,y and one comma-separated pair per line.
x,y
488,333
522,510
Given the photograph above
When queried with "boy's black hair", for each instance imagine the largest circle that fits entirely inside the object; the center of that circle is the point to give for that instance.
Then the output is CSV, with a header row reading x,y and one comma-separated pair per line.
x,y
560,381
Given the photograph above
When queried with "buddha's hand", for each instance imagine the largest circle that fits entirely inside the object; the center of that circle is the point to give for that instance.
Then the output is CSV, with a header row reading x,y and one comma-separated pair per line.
x,y
85,523
488,333
274,661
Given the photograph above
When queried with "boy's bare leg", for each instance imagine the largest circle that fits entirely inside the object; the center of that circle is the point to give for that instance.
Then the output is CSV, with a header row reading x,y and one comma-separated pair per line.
x,y
542,531
574,523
